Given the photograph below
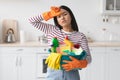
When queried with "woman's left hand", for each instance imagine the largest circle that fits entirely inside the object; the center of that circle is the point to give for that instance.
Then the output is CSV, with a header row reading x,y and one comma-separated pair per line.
x,y
75,63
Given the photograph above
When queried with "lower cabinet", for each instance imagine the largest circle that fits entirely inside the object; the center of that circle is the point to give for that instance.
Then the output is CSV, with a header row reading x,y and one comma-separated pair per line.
x,y
105,64
17,63
8,65
96,69
113,63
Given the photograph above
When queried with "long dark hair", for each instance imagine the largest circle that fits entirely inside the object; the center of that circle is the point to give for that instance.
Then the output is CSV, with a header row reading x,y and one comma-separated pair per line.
x,y
73,21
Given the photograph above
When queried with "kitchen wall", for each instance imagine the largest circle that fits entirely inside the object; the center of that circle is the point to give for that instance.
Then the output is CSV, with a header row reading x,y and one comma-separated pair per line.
x,y
87,13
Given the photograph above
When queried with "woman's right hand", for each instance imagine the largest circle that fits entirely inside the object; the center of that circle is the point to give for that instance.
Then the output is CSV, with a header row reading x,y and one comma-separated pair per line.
x,y
55,11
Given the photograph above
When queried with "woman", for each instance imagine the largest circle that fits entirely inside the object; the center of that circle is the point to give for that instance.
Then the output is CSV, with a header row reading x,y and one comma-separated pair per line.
x,y
65,25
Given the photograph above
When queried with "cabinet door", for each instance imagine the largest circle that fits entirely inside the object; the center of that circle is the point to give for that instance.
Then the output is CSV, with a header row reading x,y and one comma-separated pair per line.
x,y
117,4
95,70
8,64
111,7
17,63
27,64
113,63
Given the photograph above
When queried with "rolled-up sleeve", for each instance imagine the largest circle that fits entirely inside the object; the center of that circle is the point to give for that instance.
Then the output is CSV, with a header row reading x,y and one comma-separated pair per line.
x,y
37,22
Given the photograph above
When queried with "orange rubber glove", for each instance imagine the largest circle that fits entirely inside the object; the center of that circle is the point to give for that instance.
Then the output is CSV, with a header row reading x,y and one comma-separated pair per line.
x,y
75,63
55,11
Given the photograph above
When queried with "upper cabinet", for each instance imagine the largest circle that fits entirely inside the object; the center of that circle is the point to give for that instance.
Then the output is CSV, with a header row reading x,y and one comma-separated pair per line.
x,y
111,7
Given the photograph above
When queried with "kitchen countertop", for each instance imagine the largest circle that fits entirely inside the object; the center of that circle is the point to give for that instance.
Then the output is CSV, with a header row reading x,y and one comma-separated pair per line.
x,y
104,44
38,44
25,44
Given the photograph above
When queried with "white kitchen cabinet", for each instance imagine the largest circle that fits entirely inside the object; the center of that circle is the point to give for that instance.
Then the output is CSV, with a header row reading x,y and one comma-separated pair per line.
x,y
17,63
27,70
96,69
105,64
113,63
22,63
110,7
8,63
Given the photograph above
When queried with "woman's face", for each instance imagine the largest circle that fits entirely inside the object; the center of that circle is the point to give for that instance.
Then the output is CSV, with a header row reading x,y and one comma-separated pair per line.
x,y
64,19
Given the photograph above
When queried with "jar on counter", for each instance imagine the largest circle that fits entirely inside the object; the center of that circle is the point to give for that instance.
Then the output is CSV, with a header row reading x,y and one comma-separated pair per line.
x,y
43,39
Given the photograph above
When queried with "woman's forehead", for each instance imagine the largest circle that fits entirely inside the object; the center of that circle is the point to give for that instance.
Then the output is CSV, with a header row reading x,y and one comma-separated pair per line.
x,y
64,11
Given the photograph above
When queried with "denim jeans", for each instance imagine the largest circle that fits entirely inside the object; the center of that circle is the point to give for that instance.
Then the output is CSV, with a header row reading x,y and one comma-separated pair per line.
x,y
62,75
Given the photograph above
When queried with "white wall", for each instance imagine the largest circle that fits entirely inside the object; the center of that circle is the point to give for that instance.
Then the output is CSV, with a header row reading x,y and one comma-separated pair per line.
x,y
87,13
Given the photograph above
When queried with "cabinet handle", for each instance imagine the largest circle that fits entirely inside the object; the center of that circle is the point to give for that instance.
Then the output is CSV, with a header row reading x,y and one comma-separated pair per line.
x,y
45,49
19,49
20,62
17,61
116,49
